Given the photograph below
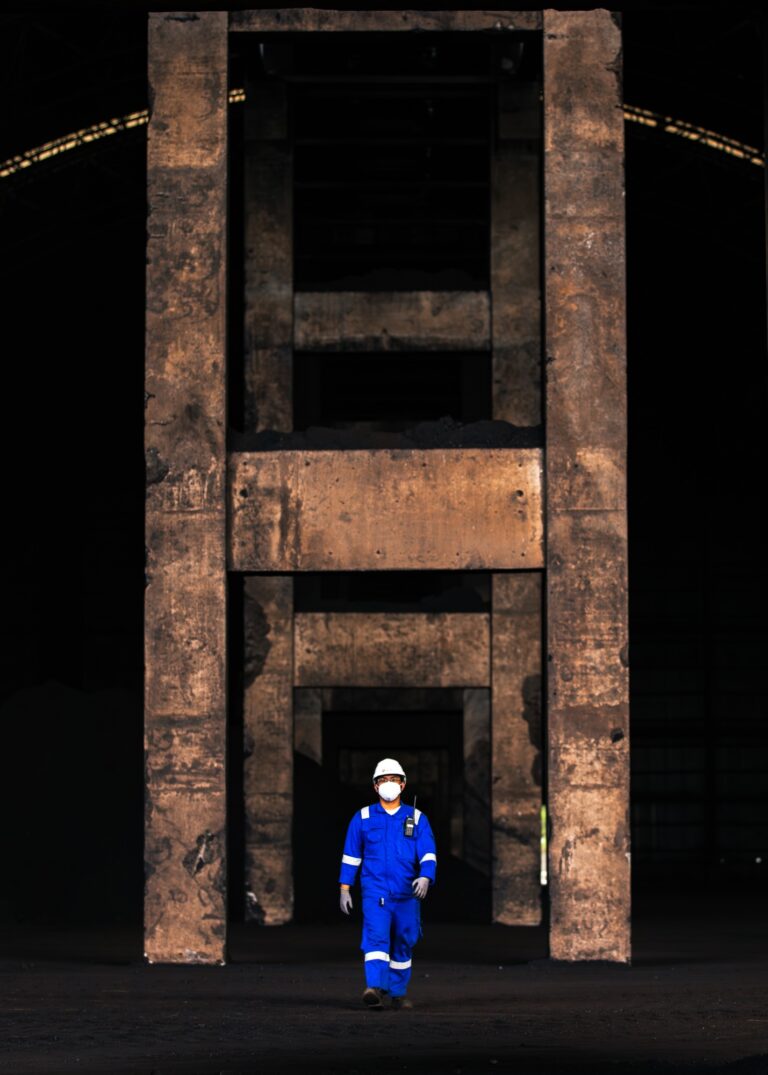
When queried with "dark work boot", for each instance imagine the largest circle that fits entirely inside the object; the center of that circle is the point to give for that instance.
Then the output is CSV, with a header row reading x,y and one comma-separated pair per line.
x,y
401,1004
372,997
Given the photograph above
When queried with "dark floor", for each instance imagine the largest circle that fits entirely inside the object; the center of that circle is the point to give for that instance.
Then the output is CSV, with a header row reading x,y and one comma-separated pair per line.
x,y
487,1000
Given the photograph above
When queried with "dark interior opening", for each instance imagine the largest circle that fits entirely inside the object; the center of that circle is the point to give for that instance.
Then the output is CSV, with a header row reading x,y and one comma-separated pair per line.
x,y
391,165
392,137
389,392
392,591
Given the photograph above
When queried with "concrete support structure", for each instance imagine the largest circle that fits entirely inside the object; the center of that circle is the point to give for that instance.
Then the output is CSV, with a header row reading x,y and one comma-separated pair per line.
x,y
479,509
516,747
516,732
340,20
385,509
268,335
373,321
268,602
392,649
268,748
588,689
185,601
515,257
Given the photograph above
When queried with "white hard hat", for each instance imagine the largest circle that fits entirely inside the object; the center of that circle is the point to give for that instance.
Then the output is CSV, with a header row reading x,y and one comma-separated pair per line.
x,y
386,766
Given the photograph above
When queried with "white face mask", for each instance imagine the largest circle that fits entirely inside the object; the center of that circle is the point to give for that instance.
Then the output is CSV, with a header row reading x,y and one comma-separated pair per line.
x,y
389,791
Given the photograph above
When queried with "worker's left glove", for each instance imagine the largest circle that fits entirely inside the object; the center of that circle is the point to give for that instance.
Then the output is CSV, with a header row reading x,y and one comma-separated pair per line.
x,y
420,887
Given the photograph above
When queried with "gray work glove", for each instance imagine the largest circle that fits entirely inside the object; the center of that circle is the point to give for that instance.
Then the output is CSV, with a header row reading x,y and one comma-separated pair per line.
x,y
420,887
345,900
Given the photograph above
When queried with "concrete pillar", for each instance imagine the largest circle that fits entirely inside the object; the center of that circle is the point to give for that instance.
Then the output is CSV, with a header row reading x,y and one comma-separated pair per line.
x,y
268,602
268,749
185,600
586,554
516,745
516,599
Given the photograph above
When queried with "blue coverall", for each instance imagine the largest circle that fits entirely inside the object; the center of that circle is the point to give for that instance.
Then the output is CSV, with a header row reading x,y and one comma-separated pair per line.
x,y
391,913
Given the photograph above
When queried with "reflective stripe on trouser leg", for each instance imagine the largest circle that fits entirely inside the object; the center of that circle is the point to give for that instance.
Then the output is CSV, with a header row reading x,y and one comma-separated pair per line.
x,y
377,966
406,929
375,944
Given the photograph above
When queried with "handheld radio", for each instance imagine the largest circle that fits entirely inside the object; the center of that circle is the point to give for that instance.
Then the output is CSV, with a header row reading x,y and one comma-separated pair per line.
x,y
410,822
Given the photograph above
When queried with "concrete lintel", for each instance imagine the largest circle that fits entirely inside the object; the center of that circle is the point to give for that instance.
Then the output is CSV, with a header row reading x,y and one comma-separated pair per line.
x,y
276,20
386,509
392,649
374,321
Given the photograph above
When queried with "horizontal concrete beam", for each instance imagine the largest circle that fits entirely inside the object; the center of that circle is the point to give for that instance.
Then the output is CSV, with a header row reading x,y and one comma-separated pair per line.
x,y
272,20
392,320
386,509
386,649
391,699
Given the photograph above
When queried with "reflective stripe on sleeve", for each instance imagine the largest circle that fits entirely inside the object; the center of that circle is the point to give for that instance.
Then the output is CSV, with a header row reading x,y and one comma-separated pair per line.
x,y
348,860
416,815
398,966
365,813
376,955
429,857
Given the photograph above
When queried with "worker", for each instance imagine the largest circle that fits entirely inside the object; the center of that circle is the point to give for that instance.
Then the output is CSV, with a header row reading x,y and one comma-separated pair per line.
x,y
395,846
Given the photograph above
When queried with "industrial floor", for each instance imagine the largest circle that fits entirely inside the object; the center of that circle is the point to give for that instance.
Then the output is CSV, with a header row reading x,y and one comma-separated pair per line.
x,y
487,1000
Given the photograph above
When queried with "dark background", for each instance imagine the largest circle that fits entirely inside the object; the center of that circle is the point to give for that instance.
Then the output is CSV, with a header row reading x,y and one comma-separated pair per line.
x,y
72,271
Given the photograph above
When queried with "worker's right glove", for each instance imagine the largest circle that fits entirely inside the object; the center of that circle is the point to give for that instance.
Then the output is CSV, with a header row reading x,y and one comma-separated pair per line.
x,y
420,887
345,901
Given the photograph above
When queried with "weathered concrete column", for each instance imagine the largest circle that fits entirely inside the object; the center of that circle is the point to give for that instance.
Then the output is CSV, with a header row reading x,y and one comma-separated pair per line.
x,y
268,748
268,193
515,256
586,496
516,744
185,613
268,604
516,599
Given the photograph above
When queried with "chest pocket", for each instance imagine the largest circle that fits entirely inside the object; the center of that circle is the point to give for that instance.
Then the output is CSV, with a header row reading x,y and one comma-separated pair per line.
x,y
405,849
374,839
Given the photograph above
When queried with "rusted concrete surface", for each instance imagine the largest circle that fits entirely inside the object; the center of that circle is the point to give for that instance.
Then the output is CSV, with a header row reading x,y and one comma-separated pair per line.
x,y
392,321
586,497
268,602
516,626
277,19
268,749
425,699
185,615
379,509
516,746
476,828
515,258
392,649
268,338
